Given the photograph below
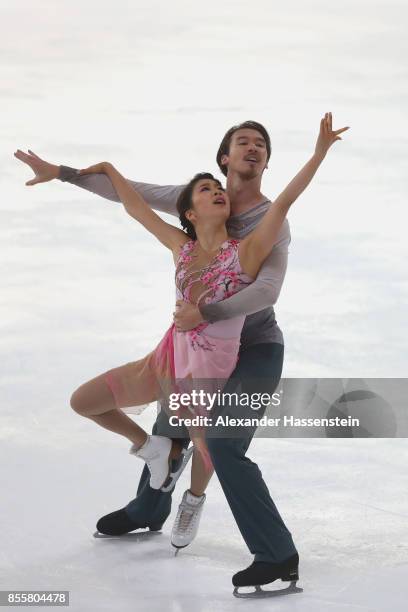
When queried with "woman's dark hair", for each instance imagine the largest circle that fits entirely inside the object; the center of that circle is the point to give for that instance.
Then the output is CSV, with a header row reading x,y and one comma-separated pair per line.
x,y
184,202
225,143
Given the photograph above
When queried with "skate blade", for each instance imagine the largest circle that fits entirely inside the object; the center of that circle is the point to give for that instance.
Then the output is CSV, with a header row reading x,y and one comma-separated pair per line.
x,y
178,548
260,593
141,535
174,476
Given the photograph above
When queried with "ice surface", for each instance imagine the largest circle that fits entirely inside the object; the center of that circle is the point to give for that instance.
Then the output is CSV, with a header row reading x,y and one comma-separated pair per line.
x,y
345,503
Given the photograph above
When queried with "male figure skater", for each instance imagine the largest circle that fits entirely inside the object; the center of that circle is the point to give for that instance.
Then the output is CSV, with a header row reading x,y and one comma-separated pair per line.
x,y
243,156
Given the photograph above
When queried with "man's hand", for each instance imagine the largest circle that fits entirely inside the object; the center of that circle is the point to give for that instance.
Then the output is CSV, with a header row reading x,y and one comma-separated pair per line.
x,y
43,171
187,316
327,136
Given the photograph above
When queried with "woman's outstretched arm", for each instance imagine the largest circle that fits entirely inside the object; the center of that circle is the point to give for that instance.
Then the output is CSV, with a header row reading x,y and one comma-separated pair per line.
x,y
169,235
255,247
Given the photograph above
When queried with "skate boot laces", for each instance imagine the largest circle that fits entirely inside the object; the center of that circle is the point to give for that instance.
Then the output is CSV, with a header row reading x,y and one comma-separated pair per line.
x,y
188,515
186,519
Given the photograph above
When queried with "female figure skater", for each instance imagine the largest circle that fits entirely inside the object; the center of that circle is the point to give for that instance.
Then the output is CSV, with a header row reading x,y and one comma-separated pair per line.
x,y
210,266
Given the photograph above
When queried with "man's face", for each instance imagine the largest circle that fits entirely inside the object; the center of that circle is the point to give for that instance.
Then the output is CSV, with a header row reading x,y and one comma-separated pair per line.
x,y
247,153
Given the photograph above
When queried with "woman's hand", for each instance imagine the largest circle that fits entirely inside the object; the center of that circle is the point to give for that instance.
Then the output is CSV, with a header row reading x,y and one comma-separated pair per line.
x,y
327,136
100,168
43,170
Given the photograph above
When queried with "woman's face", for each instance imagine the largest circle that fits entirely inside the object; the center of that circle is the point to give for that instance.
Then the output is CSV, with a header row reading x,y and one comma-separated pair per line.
x,y
209,201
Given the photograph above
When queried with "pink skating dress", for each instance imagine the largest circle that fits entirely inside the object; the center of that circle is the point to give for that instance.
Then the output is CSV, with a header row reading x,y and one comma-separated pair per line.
x,y
202,357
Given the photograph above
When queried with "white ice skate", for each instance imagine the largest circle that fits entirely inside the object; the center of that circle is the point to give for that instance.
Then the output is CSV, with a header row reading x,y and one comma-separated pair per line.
x,y
187,520
177,467
156,453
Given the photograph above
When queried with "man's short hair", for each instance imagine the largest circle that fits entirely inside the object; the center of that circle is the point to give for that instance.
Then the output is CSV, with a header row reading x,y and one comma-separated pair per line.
x,y
225,143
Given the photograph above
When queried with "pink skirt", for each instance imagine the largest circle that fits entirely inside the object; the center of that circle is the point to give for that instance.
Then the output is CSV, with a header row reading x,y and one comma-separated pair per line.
x,y
176,365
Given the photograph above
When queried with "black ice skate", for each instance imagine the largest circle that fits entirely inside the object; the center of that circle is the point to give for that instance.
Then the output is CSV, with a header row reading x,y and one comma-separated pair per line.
x,y
260,573
118,523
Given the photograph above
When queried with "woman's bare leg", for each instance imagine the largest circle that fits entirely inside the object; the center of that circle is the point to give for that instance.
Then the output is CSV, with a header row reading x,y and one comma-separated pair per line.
x,y
201,465
200,474
95,400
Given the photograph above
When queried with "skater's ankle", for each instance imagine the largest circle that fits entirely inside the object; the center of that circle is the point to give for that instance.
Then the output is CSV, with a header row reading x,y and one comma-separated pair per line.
x,y
140,442
176,449
195,492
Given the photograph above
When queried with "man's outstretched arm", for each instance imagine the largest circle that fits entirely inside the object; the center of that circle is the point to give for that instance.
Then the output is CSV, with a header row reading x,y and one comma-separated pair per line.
x,y
160,197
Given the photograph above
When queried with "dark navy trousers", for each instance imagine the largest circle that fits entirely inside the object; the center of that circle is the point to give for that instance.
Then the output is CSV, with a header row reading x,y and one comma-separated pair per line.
x,y
258,370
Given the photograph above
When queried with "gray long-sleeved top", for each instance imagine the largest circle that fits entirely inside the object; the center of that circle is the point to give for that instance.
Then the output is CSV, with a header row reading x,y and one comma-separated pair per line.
x,y
257,299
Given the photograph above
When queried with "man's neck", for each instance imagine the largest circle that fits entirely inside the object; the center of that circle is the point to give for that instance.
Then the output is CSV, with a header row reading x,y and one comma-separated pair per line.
x,y
244,194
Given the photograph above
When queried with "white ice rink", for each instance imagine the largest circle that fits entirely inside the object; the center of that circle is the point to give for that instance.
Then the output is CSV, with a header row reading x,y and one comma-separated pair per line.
x,y
345,503
152,87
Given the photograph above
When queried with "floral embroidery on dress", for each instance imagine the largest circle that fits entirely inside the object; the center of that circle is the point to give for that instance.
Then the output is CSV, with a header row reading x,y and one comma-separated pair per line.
x,y
198,340
221,278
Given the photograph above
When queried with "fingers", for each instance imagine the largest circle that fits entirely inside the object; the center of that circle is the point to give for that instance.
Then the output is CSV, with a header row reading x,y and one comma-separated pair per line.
x,y
324,124
327,125
33,181
329,120
34,155
22,156
341,130
176,323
